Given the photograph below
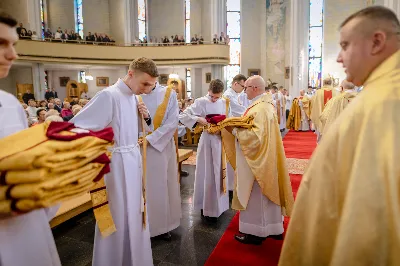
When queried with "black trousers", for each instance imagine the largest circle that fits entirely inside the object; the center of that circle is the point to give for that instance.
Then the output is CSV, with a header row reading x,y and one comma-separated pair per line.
x,y
287,113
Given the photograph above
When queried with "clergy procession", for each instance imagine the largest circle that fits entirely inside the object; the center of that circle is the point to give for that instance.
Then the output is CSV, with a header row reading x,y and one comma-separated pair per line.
x,y
286,203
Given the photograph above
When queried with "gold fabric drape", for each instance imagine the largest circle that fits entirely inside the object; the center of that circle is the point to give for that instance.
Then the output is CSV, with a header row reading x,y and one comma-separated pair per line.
x,y
334,108
347,207
263,149
38,172
294,119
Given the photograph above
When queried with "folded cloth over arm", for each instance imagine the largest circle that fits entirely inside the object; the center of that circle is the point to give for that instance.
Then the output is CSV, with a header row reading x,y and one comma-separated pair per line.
x,y
53,162
242,122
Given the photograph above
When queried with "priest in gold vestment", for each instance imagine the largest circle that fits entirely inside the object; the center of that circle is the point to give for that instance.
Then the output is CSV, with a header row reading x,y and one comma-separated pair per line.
x,y
318,101
347,208
263,192
336,105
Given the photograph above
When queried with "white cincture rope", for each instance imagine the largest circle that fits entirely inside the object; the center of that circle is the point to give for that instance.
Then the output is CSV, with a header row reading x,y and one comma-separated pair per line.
x,y
125,149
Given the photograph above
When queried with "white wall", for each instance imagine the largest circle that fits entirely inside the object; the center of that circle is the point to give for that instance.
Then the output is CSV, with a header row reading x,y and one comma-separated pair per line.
x,y
8,85
22,75
166,18
96,16
60,13
55,80
205,86
334,15
113,76
18,9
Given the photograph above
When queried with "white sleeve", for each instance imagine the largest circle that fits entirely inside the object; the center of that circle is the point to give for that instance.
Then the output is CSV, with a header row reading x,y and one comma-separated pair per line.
x,y
236,109
192,113
97,113
163,135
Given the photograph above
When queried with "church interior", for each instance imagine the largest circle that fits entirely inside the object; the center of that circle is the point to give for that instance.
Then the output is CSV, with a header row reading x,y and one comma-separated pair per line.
x,y
70,51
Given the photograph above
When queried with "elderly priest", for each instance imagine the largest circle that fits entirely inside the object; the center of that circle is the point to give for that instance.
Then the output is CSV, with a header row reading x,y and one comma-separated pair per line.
x,y
263,192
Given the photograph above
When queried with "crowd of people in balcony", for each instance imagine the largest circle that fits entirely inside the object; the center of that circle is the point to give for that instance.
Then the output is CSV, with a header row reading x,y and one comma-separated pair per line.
x,y
102,38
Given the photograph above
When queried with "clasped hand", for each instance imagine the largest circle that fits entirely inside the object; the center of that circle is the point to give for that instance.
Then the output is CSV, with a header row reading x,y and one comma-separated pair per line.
x,y
143,110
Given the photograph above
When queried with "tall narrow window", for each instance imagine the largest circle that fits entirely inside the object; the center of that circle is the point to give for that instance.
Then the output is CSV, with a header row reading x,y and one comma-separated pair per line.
x,y
187,21
315,42
42,17
46,80
188,83
82,76
233,31
79,17
142,19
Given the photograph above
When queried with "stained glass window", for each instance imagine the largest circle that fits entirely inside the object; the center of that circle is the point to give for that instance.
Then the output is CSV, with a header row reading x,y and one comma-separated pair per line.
x,y
42,17
315,42
233,31
188,83
187,21
142,16
79,17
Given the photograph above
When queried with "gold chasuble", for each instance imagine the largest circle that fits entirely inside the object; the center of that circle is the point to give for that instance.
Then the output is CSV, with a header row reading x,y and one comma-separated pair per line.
x,y
263,149
334,108
347,207
294,118
321,97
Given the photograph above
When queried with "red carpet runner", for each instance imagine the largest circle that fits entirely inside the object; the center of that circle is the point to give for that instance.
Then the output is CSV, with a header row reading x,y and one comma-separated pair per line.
x,y
298,145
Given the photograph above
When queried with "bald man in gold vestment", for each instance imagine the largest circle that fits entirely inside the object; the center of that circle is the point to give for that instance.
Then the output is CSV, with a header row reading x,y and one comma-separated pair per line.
x,y
347,208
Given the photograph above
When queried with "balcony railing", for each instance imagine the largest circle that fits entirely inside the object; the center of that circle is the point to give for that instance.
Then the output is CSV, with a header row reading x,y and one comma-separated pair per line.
x,y
121,54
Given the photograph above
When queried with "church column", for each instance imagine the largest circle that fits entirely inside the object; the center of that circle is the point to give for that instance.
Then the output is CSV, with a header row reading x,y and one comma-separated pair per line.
x,y
131,20
394,5
197,82
38,78
218,17
299,47
34,17
217,72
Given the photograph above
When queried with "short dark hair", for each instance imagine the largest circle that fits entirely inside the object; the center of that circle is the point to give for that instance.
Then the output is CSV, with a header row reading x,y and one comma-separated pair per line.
x,y
145,65
374,13
216,86
238,78
310,87
275,88
7,19
39,110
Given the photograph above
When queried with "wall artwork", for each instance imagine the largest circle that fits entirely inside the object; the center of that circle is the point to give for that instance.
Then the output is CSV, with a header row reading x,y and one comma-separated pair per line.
x,y
102,81
163,79
287,72
208,77
276,33
253,72
64,81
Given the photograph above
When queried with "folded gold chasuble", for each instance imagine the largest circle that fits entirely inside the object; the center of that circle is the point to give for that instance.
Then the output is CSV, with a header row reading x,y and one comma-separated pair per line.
x,y
263,149
38,170
347,208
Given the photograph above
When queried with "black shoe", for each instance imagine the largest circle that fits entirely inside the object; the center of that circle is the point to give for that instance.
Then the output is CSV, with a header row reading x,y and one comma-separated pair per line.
x,y
249,239
276,237
166,236
184,173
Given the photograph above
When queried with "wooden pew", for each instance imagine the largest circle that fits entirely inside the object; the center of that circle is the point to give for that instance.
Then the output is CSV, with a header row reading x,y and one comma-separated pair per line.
x,y
76,206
